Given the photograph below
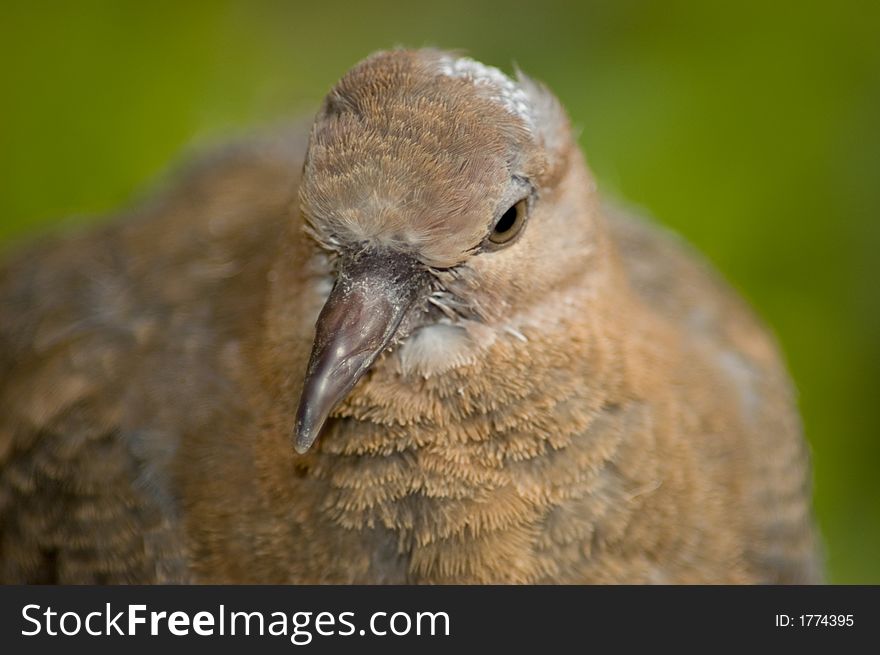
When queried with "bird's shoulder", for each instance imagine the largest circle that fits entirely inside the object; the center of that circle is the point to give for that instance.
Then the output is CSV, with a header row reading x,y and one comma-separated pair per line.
x,y
680,285
721,333
116,340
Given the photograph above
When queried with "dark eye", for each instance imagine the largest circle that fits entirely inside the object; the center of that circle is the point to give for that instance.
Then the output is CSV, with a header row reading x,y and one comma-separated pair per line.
x,y
509,225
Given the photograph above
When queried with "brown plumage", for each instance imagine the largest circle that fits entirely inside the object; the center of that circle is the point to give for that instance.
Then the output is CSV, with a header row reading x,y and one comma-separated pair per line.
x,y
555,393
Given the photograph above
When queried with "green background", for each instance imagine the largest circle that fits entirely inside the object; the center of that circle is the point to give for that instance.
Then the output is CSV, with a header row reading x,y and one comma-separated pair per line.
x,y
752,128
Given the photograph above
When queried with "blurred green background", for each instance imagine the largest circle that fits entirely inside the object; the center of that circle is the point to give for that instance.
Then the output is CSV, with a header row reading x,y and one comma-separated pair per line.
x,y
753,129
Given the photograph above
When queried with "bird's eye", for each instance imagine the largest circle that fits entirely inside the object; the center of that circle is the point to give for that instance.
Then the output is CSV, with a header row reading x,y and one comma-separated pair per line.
x,y
509,225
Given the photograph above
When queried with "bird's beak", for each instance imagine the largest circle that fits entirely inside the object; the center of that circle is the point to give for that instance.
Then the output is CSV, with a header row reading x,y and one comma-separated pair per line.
x,y
372,294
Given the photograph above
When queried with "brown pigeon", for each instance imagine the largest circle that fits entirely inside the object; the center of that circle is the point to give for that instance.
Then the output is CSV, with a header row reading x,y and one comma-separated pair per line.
x,y
411,346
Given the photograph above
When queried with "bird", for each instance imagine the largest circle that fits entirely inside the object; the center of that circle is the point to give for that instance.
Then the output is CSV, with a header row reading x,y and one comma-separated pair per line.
x,y
409,342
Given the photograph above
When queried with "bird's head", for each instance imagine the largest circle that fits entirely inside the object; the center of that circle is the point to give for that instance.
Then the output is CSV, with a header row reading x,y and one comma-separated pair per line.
x,y
451,199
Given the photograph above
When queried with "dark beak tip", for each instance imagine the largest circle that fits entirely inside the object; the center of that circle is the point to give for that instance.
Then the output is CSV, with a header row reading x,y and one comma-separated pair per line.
x,y
303,438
